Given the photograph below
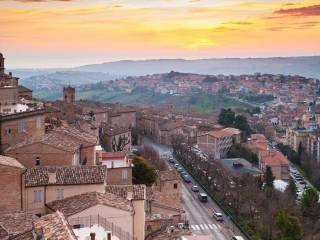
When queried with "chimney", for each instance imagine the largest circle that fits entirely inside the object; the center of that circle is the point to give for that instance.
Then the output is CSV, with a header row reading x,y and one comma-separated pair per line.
x,y
129,195
92,236
108,236
52,176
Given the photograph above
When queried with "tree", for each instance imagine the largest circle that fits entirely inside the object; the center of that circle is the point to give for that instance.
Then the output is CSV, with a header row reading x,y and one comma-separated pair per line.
x,y
291,188
242,124
143,172
118,144
310,204
238,151
227,117
269,178
289,226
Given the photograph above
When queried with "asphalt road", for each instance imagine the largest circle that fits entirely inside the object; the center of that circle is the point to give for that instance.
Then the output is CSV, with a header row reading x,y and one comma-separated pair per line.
x,y
200,215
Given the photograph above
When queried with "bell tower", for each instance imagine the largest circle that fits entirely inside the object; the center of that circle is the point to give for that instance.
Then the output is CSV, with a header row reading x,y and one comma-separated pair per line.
x,y
69,94
1,64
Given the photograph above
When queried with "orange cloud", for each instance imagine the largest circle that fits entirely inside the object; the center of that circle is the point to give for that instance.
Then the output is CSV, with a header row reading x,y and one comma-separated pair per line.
x,y
313,10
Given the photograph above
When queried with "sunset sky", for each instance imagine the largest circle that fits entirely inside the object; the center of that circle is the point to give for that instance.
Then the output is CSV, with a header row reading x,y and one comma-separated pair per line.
x,y
58,33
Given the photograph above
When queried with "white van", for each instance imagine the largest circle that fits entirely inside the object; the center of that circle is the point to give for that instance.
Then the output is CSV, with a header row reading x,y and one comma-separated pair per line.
x,y
218,216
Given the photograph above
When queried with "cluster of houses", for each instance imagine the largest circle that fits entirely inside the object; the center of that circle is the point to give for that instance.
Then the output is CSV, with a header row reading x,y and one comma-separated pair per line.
x,y
59,182
66,167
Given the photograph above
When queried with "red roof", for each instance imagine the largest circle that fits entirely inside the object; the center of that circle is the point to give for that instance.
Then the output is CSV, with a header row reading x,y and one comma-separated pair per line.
x,y
275,158
220,134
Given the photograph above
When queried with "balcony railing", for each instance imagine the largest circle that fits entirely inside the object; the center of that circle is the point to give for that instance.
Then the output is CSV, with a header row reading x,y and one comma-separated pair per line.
x,y
89,221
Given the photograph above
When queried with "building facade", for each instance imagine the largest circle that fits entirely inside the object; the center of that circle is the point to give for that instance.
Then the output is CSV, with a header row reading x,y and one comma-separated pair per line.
x,y
218,143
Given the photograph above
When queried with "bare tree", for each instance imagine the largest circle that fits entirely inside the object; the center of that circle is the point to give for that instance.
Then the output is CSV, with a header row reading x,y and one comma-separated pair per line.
x,y
120,143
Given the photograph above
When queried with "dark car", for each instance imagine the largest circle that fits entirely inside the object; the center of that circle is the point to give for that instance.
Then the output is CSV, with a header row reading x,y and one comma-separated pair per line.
x,y
186,178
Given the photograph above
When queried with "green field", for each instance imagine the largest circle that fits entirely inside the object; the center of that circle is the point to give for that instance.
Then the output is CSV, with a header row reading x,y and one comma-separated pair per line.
x,y
200,102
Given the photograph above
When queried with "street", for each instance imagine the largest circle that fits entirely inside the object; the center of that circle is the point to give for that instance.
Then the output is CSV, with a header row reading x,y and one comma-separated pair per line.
x,y
199,214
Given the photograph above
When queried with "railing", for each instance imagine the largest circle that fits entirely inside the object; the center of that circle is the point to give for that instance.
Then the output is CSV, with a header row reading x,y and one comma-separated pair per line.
x,y
89,221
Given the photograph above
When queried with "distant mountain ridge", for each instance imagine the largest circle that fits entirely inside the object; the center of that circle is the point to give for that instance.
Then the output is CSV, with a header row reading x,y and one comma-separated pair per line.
x,y
58,79
305,66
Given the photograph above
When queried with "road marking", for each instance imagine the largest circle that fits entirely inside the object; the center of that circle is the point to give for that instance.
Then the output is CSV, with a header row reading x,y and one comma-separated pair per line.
x,y
195,227
215,227
210,226
205,226
219,226
201,226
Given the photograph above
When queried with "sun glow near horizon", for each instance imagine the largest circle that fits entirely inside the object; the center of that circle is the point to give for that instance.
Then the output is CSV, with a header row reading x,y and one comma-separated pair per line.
x,y
74,32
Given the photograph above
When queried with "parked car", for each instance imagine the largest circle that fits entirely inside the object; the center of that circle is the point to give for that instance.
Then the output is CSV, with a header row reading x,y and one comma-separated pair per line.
x,y
176,165
171,160
179,169
302,182
195,188
186,178
183,173
203,197
237,238
218,216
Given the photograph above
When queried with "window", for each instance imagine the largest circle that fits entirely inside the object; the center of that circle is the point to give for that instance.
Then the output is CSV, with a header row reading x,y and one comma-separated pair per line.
x,y
21,126
37,196
124,174
37,163
9,131
175,186
60,194
38,122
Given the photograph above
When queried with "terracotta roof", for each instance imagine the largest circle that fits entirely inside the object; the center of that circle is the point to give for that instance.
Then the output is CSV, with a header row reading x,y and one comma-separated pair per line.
x,y
233,131
15,223
23,89
72,175
54,227
274,158
78,203
168,175
257,136
66,139
11,162
170,125
78,135
219,134
135,192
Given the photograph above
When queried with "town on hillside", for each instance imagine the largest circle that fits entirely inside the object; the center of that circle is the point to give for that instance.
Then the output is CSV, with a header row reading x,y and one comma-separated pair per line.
x,y
80,169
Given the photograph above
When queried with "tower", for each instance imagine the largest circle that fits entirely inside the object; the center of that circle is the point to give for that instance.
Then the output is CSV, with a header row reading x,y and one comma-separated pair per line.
x,y
1,64
69,94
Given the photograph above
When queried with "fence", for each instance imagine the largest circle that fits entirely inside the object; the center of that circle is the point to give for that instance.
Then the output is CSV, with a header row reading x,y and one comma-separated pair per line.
x,y
89,221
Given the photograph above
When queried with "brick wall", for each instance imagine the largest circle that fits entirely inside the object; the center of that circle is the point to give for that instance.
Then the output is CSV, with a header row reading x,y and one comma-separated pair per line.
x,y
17,130
114,176
88,153
48,155
10,185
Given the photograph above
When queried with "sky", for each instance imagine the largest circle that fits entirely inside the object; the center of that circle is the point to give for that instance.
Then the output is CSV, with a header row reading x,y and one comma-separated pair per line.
x,y
64,33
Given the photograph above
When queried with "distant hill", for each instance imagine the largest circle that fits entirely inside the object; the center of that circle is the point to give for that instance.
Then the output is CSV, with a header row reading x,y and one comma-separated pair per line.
x,y
304,66
56,80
